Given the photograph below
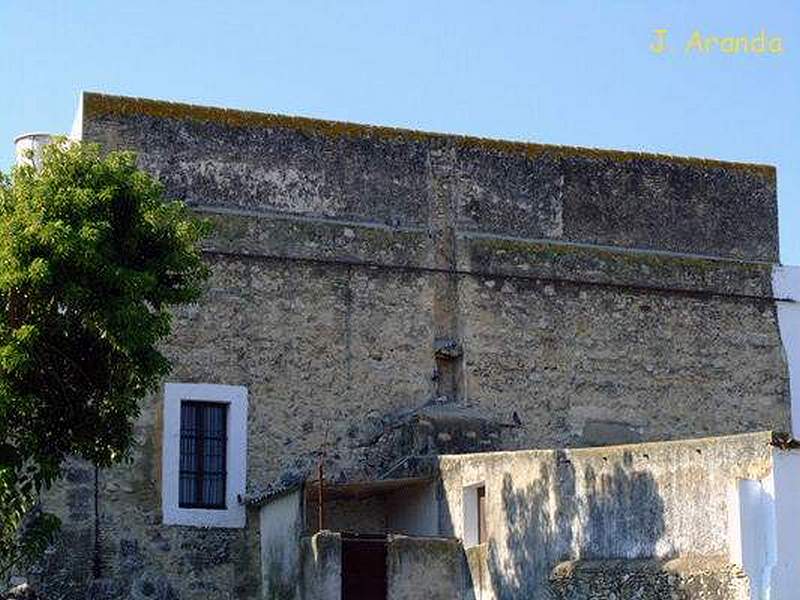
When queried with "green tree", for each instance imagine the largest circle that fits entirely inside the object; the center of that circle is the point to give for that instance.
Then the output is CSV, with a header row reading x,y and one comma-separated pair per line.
x,y
92,257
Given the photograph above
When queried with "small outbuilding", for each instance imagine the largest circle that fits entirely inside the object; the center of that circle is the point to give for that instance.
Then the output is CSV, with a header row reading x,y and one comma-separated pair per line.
x,y
710,518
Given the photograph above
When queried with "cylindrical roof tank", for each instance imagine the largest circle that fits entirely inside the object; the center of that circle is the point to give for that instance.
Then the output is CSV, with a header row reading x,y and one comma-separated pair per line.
x,y
29,145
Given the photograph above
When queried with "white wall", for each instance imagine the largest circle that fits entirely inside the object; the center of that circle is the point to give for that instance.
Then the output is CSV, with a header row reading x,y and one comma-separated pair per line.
x,y
785,581
413,511
640,501
764,529
752,532
786,287
281,522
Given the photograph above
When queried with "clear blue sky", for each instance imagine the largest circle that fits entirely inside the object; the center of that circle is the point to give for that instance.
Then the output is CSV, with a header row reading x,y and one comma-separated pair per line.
x,y
566,72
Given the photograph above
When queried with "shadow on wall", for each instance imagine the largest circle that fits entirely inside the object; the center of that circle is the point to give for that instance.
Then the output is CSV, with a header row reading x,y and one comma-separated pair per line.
x,y
614,514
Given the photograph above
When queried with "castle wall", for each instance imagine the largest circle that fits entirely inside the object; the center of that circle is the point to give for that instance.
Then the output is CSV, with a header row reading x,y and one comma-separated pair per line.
x,y
591,291
271,163
587,297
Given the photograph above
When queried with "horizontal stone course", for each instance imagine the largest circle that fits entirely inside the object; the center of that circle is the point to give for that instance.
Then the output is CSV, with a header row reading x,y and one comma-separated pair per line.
x,y
397,248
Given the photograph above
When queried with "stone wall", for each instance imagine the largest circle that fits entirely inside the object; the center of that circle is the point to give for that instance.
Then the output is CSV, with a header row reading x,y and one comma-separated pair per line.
x,y
413,511
679,579
363,515
589,292
67,566
272,163
409,509
560,296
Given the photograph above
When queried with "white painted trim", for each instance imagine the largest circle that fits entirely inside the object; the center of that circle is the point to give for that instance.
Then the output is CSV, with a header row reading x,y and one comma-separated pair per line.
x,y
751,532
77,122
470,508
785,581
786,282
764,526
786,286
236,465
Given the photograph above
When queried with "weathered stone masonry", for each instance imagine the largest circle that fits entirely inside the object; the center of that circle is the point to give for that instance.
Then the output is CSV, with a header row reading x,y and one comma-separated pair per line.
x,y
545,296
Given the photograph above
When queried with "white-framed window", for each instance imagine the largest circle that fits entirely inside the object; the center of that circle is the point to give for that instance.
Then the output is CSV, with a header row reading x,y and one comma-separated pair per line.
x,y
204,455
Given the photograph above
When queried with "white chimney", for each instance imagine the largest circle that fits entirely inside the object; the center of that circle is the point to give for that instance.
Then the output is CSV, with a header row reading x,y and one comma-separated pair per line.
x,y
29,147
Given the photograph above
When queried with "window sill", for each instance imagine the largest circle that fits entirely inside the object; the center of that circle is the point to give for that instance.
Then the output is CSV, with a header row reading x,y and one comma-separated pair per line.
x,y
234,517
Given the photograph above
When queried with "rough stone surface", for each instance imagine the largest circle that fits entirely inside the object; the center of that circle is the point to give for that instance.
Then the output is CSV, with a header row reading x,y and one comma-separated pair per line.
x,y
301,166
663,365
20,592
678,579
344,255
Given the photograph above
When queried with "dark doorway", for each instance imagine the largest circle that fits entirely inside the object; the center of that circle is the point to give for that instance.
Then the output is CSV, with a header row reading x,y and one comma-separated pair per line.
x,y
363,567
481,491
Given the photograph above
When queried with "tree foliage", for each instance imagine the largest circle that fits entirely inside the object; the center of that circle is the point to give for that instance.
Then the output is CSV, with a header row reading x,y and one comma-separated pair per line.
x,y
92,256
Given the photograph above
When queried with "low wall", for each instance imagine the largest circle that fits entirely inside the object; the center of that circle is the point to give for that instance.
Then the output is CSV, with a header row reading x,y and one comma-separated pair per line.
x,y
657,500
281,525
321,566
415,568
429,568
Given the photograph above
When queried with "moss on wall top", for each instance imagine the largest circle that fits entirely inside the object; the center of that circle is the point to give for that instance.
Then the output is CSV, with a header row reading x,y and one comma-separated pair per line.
x,y
98,105
550,251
